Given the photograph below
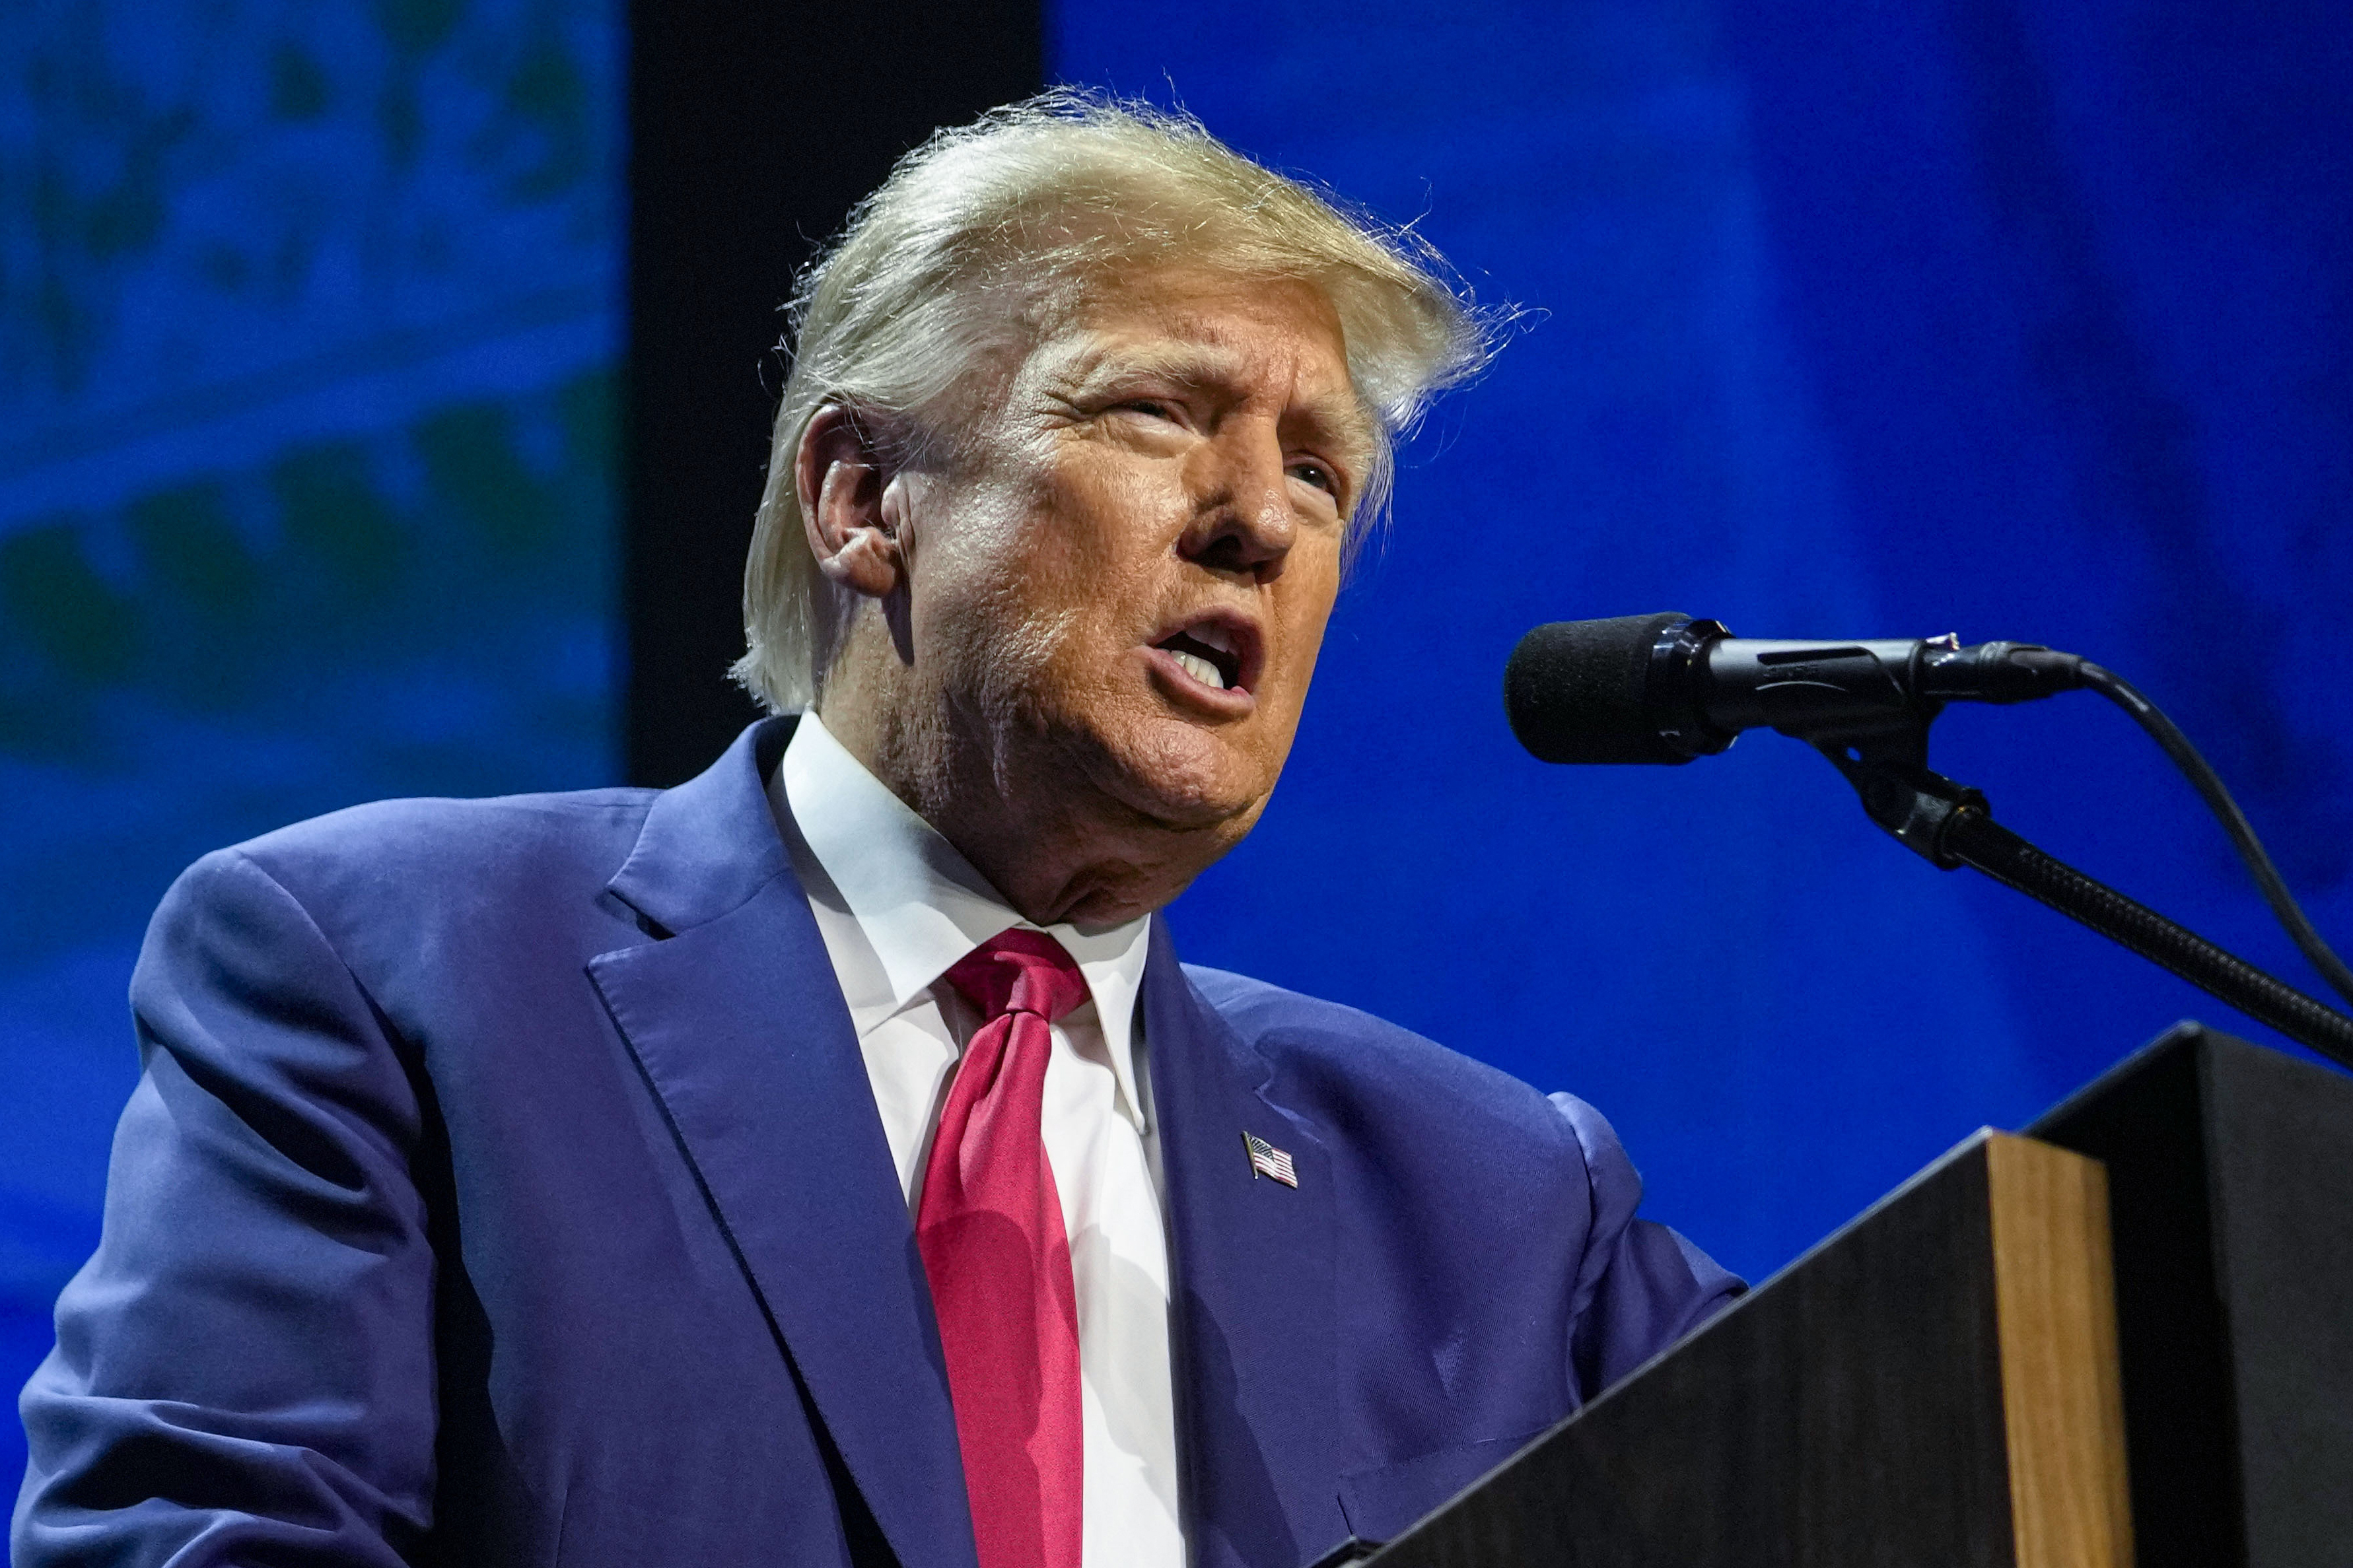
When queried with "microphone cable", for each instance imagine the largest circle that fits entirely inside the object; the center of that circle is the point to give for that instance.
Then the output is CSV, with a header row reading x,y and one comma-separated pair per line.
x,y
2210,789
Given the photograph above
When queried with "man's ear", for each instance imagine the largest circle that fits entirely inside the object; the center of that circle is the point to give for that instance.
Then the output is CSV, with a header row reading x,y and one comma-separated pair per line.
x,y
842,473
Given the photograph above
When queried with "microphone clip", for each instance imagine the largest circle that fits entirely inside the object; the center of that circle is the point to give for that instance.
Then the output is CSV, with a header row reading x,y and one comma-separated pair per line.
x,y
1918,807
1950,826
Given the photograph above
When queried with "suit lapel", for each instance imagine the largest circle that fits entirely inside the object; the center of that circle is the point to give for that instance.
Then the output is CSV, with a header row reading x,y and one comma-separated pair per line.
x,y
1256,1358
739,1026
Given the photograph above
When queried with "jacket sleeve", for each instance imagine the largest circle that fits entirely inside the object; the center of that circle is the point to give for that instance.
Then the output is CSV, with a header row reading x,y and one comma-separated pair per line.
x,y
1642,1285
244,1371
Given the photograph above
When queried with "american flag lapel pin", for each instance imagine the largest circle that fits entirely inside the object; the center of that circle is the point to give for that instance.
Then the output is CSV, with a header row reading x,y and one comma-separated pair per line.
x,y
1268,1160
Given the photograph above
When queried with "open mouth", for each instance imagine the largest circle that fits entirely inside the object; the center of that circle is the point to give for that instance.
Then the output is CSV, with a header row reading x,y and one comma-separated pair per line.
x,y
1218,651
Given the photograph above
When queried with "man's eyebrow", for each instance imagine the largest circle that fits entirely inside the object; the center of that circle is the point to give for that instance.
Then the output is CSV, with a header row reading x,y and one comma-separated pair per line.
x,y
1338,421
1345,422
1187,364
1340,418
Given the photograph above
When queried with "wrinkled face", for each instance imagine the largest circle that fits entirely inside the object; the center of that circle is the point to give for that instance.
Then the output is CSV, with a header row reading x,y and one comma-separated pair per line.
x,y
1124,576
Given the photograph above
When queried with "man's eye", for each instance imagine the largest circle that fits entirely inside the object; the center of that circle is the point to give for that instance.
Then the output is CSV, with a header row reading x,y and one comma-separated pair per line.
x,y
1149,407
1316,474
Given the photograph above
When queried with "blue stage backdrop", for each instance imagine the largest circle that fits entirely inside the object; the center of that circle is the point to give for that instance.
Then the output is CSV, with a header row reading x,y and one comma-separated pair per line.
x,y
2018,320
308,326
2015,317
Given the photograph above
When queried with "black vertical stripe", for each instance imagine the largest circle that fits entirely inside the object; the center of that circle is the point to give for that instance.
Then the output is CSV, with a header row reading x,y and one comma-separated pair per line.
x,y
753,128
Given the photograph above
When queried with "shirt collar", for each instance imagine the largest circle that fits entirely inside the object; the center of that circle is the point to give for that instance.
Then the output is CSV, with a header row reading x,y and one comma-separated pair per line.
x,y
920,906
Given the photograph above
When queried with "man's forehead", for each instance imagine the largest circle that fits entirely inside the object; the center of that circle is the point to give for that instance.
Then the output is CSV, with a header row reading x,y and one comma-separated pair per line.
x,y
1194,329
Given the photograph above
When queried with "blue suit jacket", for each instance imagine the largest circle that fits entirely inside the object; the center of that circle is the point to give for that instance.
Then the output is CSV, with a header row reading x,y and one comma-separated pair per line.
x,y
505,1186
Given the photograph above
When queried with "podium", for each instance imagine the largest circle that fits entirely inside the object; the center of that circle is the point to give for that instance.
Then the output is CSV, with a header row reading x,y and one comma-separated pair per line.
x,y
2124,1338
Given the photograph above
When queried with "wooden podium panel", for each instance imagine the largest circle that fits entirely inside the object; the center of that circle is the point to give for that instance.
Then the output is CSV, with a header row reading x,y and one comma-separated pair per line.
x,y
1938,1384
2062,1407
1935,1384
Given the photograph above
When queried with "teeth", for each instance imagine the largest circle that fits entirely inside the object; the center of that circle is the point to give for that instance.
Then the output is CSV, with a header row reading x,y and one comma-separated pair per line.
x,y
1212,635
1200,668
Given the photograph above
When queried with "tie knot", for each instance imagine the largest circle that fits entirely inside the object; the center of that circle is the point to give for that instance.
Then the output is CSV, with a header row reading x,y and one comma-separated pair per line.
x,y
1019,971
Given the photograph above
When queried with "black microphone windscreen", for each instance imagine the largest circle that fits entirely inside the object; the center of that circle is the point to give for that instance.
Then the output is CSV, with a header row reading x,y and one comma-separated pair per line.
x,y
1576,691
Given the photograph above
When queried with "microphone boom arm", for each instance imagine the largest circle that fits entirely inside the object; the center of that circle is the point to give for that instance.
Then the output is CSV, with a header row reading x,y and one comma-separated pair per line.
x,y
1950,826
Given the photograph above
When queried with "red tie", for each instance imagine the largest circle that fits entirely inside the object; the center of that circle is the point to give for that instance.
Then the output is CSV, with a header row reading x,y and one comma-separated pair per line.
x,y
990,1230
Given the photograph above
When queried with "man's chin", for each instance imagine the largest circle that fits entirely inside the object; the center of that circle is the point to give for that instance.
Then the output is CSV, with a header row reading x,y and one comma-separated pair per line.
x,y
1186,780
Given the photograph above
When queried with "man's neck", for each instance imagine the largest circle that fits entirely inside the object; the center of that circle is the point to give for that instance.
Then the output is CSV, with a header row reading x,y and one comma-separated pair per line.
x,y
1058,854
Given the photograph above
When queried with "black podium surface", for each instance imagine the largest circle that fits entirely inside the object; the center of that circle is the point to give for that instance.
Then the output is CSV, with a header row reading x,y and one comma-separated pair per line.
x,y
1937,1382
2230,1203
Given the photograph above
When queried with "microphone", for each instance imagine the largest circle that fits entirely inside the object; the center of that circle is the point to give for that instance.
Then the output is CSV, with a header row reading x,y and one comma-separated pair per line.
x,y
1666,687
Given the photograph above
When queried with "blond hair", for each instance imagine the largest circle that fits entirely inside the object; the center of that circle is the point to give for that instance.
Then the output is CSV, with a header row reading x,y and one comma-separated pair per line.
x,y
982,232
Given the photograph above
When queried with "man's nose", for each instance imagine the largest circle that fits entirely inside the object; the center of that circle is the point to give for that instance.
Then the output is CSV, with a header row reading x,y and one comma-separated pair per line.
x,y
1243,521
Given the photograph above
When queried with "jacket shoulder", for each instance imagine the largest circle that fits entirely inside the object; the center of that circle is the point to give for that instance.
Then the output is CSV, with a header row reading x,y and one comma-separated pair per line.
x,y
427,866
479,837
1378,1061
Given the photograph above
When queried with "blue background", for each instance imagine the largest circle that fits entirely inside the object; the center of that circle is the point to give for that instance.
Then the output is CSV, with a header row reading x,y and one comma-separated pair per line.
x,y
2019,320
309,327
2016,320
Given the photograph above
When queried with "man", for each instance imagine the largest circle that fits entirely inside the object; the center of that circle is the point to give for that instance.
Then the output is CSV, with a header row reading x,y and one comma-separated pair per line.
x,y
828,1160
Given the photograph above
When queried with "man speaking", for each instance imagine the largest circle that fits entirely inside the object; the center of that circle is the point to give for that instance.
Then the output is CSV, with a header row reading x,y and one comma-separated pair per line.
x,y
828,1160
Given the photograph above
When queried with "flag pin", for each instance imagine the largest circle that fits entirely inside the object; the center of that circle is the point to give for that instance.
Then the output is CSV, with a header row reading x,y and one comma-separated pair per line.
x,y
1266,1160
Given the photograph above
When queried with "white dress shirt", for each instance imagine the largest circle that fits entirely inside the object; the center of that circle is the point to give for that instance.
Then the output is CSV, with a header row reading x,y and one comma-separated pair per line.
x,y
898,906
